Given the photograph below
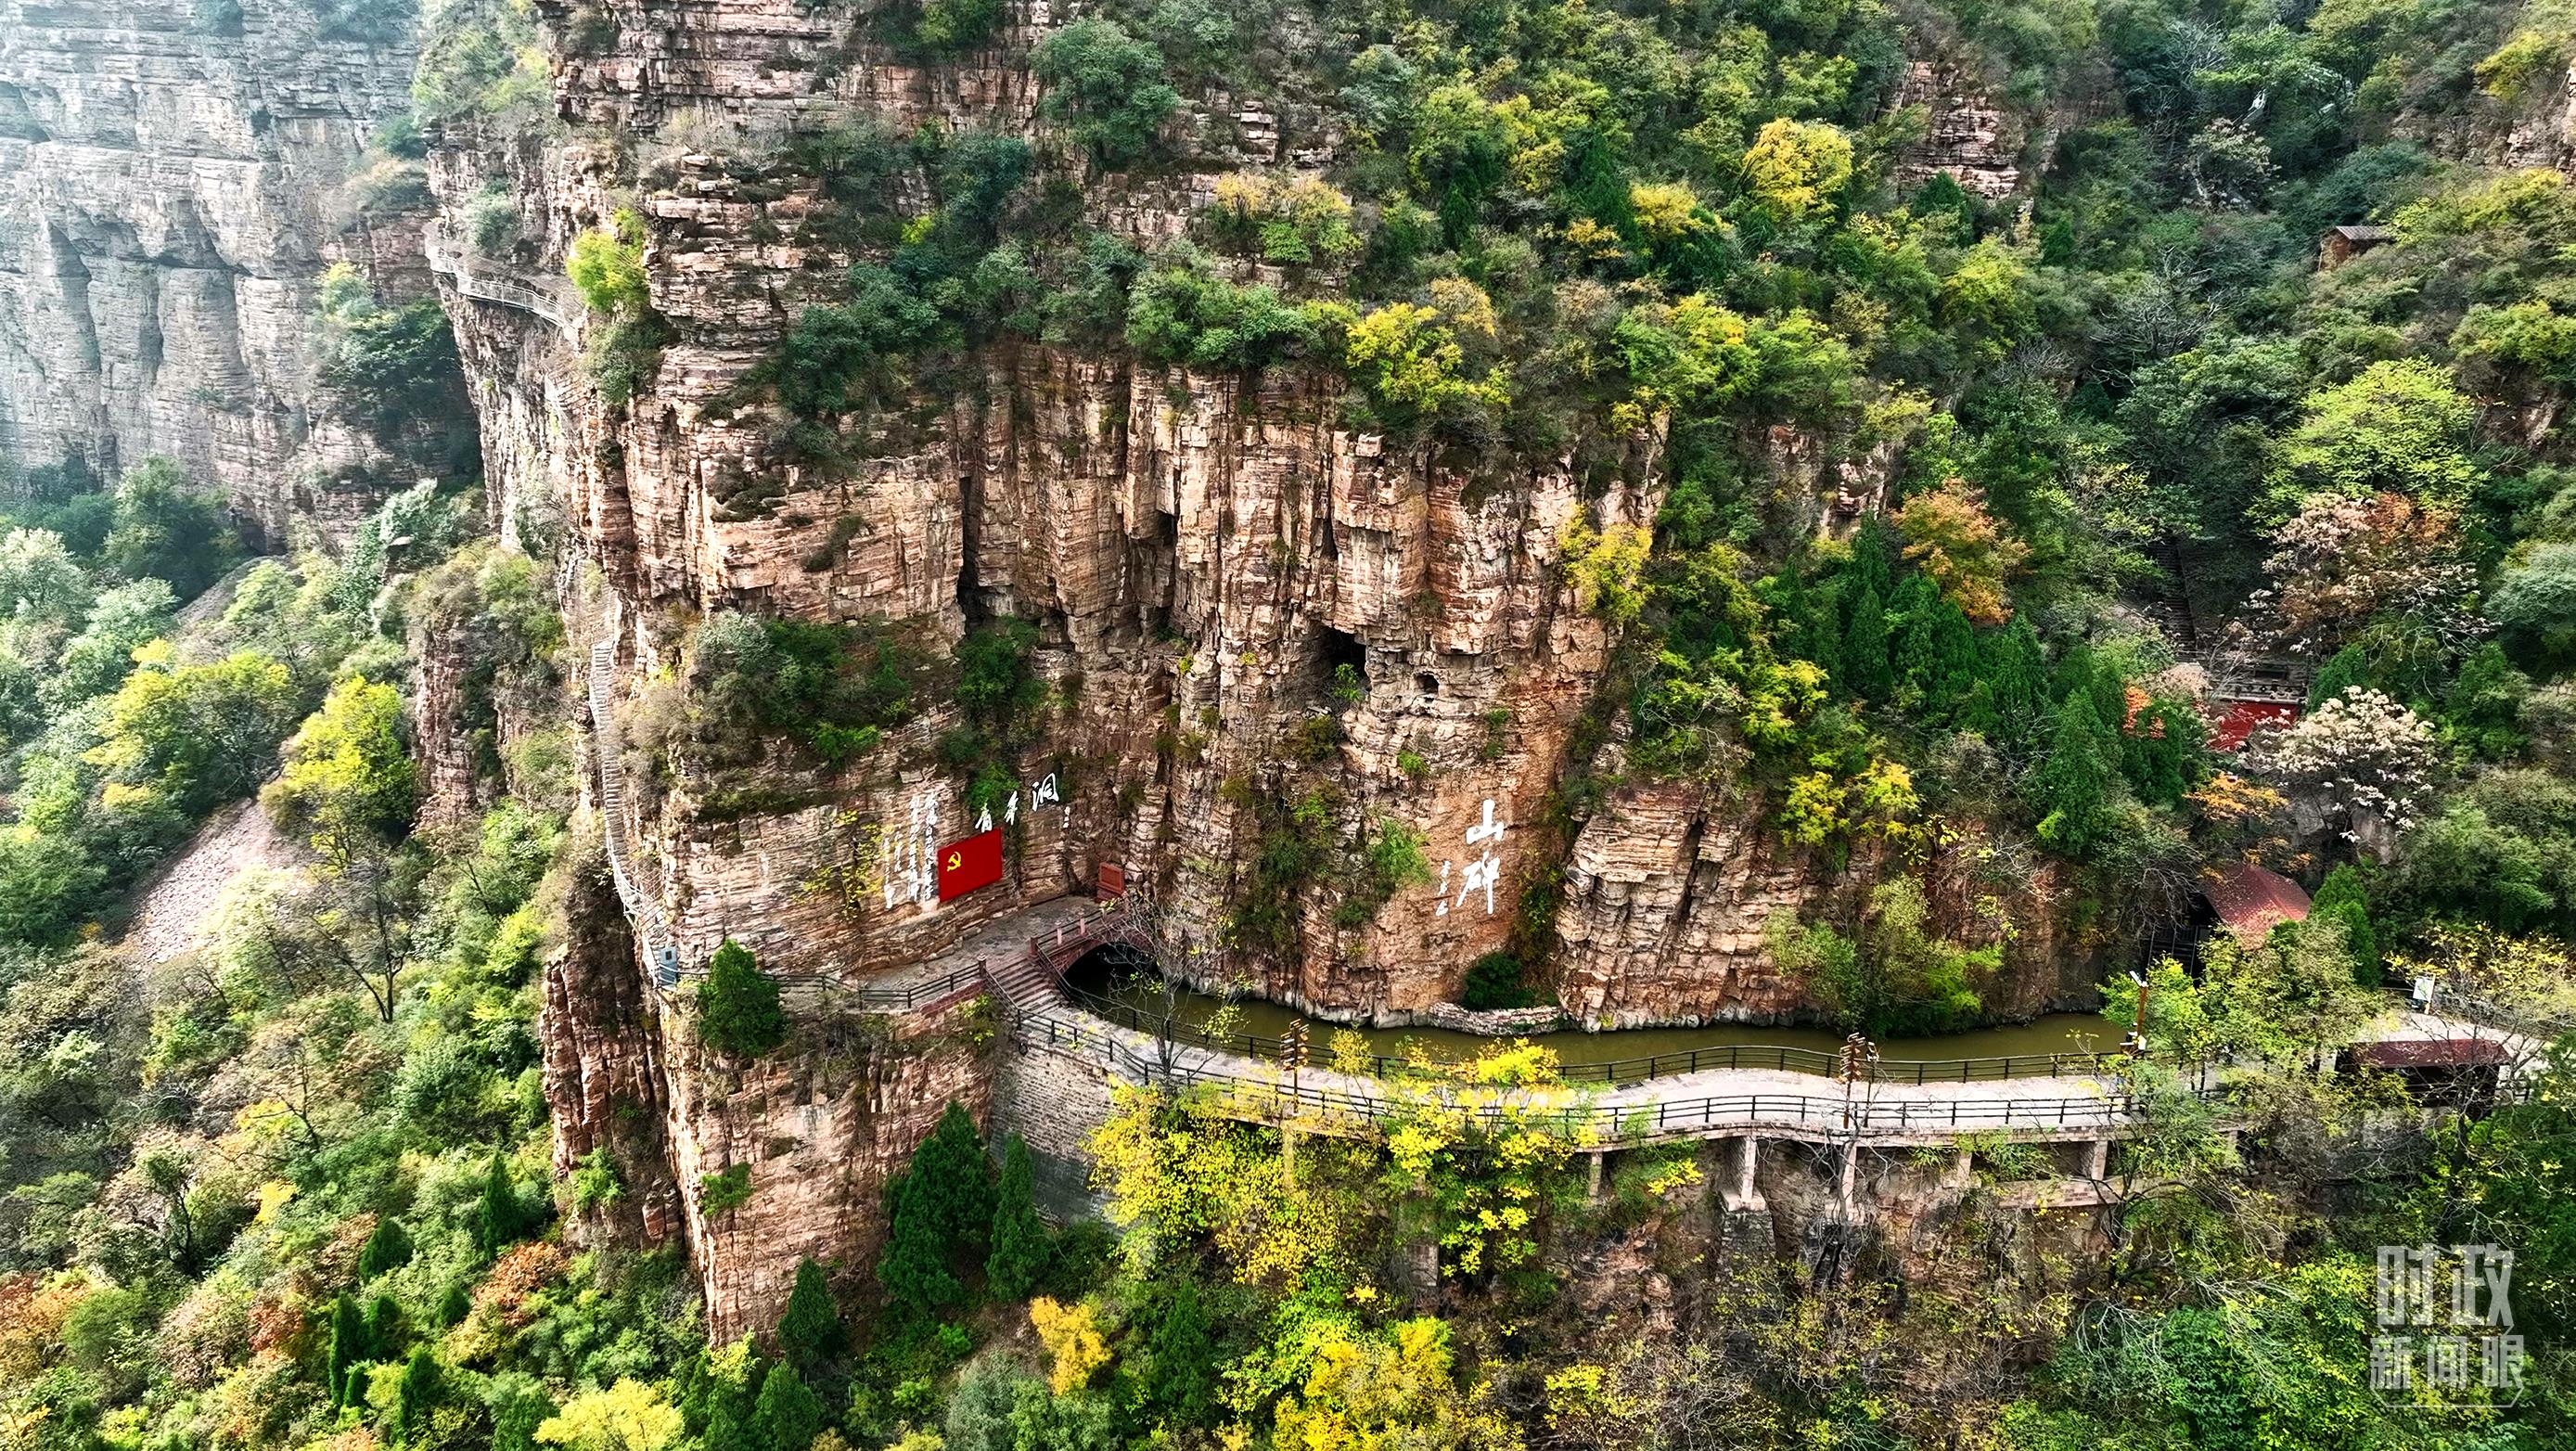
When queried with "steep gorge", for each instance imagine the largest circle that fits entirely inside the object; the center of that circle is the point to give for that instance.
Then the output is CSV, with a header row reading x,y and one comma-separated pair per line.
x,y
174,179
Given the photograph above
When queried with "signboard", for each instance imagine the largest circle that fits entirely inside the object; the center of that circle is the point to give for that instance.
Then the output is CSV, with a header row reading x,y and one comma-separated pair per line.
x,y
1113,880
969,863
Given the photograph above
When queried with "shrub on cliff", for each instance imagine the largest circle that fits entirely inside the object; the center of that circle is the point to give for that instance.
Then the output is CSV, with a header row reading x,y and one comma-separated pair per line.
x,y
1019,1253
738,1009
1105,87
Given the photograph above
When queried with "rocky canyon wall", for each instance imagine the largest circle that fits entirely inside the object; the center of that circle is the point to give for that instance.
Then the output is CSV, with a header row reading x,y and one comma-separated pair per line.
x,y
174,177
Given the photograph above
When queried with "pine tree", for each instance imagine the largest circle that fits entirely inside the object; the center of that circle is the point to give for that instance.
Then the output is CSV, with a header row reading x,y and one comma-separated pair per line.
x,y
2015,676
2057,243
1910,636
1943,196
1866,669
957,1180
2070,790
348,1348
1820,630
421,1384
789,1414
1019,1250
1939,649
2158,750
913,1267
2344,897
388,1248
1873,561
496,1219
738,1006
384,1329
810,1331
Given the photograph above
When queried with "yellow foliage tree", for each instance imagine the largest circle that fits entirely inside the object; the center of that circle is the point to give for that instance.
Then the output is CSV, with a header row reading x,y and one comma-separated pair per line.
x,y
1075,1348
1381,1392
627,1416
1949,533
1797,167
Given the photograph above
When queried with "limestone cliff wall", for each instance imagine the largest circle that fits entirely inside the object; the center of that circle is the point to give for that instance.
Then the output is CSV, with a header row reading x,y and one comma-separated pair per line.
x,y
1199,553
173,180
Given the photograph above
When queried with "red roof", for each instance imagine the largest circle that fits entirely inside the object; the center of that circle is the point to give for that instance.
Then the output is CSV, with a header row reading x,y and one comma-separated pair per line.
x,y
2237,719
2252,900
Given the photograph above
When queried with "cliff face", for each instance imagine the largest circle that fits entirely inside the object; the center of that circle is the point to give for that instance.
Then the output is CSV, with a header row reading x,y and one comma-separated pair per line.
x,y
1199,554
172,185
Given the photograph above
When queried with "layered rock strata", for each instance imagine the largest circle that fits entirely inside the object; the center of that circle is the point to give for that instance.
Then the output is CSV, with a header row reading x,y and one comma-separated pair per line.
x,y
174,178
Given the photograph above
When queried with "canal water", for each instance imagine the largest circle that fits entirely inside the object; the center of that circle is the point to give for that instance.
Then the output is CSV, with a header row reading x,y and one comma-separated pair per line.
x,y
2056,1033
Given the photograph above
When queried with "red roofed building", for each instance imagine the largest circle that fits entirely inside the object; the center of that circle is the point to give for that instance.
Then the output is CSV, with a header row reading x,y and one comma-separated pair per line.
x,y
2231,721
2250,901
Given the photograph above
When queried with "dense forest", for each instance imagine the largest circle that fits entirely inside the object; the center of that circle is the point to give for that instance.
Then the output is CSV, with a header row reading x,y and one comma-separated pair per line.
x,y
292,1181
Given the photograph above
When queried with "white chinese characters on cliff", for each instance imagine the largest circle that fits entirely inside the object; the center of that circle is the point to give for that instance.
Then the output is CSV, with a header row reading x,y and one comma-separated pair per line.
x,y
1482,871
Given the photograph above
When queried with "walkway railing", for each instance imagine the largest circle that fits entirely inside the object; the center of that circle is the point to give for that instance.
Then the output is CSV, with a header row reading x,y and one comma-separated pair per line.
x,y
1774,1057
1274,1099
652,929
475,277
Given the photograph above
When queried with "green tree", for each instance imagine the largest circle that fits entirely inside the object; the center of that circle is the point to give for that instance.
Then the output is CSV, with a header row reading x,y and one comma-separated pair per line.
x,y
2071,788
165,528
349,782
1867,670
1936,649
383,1335
788,1414
98,659
738,1004
422,1384
198,735
348,1348
2345,898
913,1268
939,1213
2347,669
386,1249
2010,701
1019,1251
496,1214
2400,427
1105,87
810,1330
41,586
1183,1370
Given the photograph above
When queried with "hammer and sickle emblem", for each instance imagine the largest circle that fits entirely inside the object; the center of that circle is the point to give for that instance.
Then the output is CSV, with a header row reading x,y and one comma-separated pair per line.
x,y
956,859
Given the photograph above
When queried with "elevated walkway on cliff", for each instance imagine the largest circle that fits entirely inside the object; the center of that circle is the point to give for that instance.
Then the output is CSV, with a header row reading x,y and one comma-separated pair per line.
x,y
1019,961
552,299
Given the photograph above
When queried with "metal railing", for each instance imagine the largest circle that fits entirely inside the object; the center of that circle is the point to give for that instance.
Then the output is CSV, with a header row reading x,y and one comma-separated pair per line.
x,y
1774,1057
1267,1098
553,300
